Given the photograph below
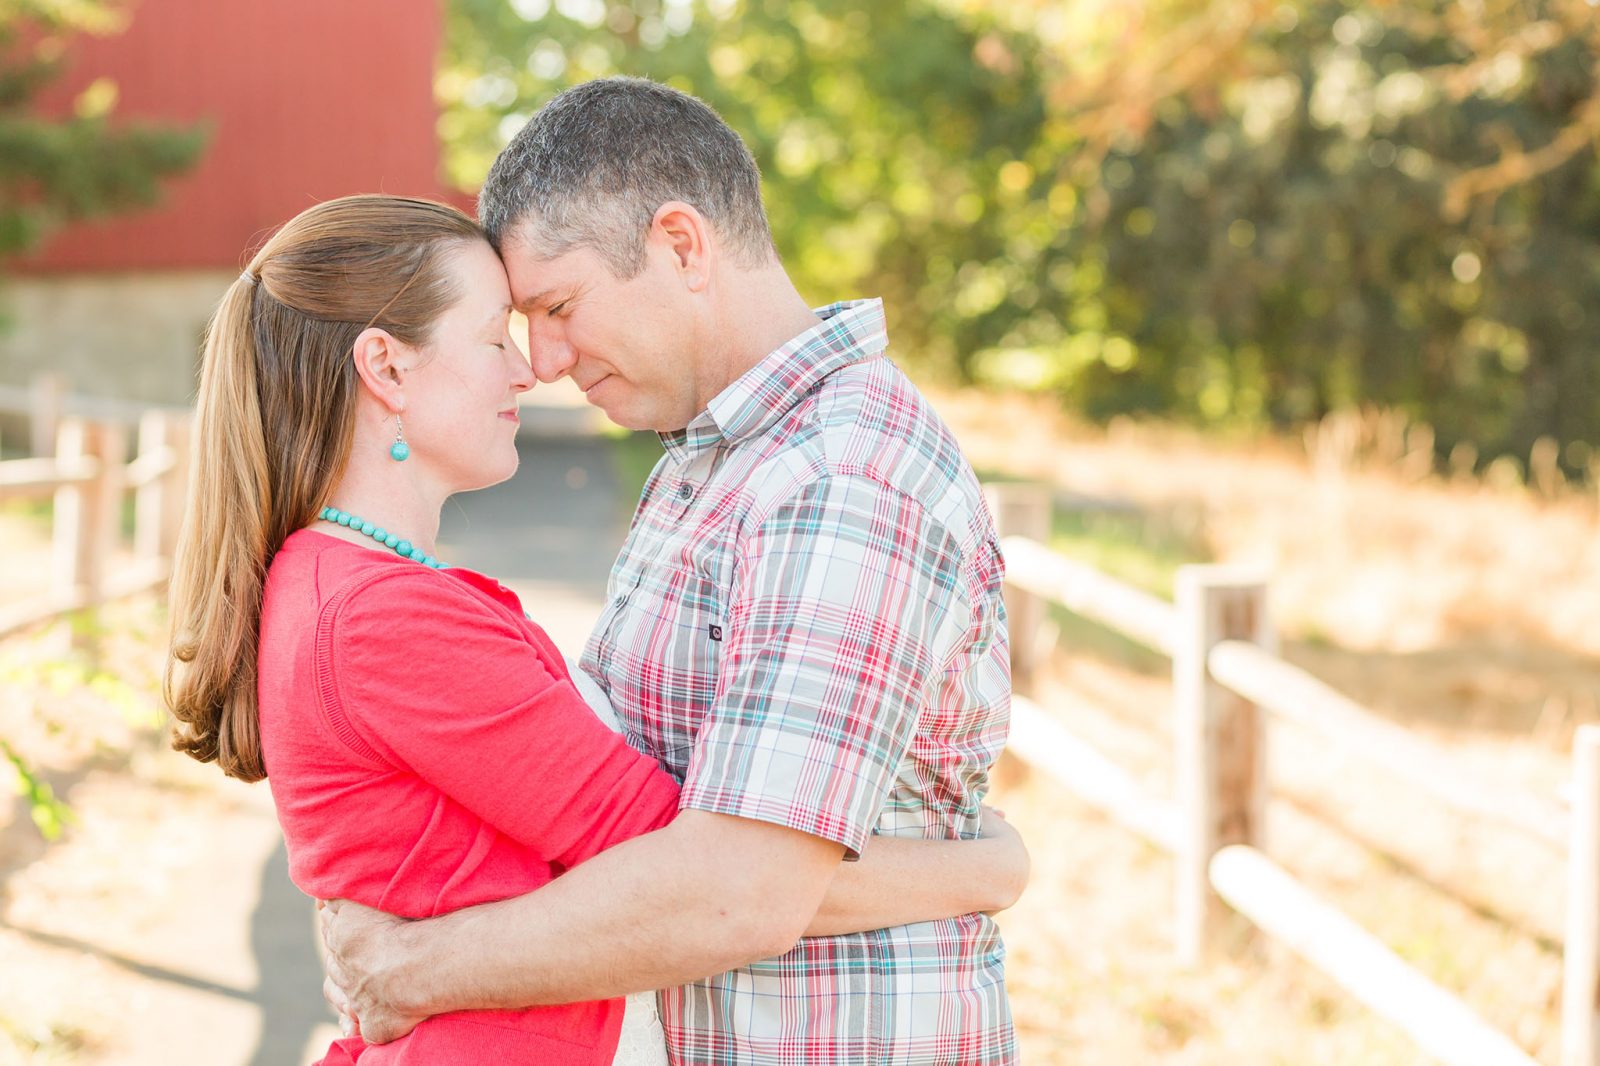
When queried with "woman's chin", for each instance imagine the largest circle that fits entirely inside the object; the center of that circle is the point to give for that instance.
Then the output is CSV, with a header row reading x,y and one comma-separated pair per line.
x,y
487,477
505,475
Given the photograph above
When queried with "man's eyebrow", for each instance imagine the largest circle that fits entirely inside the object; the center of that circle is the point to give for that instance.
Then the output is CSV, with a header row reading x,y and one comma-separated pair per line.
x,y
536,299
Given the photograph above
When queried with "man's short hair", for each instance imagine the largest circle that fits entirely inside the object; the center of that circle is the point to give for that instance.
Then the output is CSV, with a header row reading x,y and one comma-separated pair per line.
x,y
591,168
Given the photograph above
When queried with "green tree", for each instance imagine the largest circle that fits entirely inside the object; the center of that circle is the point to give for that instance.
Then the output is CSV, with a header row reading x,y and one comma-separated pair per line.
x,y
895,138
57,169
1346,202
1224,210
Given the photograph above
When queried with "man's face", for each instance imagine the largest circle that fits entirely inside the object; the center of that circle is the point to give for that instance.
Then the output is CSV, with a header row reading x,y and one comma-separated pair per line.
x,y
628,344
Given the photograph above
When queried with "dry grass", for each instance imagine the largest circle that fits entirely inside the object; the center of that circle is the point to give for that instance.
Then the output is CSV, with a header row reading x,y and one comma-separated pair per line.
x,y
80,723
1473,607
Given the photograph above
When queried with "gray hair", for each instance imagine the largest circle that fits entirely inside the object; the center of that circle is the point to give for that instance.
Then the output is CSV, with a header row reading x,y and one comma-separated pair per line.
x,y
591,168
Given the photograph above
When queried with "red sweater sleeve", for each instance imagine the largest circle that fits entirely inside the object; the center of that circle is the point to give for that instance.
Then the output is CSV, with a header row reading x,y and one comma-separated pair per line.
x,y
420,673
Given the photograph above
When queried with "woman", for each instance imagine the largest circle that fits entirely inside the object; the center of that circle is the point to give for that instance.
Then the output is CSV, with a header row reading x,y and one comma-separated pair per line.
x,y
428,748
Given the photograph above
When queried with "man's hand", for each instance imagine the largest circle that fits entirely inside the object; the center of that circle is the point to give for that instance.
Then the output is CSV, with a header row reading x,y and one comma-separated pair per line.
x,y
365,958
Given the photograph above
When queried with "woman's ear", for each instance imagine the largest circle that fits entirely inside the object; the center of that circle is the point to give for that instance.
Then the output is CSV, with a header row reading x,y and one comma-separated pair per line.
x,y
381,363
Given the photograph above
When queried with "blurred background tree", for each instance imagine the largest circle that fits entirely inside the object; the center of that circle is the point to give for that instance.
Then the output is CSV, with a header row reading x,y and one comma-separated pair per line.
x,y
57,169
1239,212
1302,207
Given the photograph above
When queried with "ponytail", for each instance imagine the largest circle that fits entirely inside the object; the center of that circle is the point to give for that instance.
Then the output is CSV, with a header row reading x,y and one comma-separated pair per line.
x,y
220,565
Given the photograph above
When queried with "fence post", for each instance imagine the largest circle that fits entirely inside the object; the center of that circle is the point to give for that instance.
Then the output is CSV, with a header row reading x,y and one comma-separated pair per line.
x,y
1022,510
158,503
87,513
1580,994
1220,743
47,394
68,530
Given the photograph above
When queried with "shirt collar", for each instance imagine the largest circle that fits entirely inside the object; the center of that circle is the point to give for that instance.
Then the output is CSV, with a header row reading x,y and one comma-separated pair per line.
x,y
850,332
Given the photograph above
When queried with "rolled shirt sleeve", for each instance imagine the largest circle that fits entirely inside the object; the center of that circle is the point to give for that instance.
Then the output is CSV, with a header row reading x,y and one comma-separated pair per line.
x,y
848,603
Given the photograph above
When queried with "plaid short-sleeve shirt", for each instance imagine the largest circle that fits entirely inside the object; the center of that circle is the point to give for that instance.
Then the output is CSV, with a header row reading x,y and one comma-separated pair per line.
x,y
805,627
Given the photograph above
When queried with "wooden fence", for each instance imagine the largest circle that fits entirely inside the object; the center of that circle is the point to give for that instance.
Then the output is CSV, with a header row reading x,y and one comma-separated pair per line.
x,y
1228,685
89,476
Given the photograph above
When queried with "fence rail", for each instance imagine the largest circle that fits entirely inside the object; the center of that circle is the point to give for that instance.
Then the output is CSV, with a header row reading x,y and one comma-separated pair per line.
x,y
1085,591
21,478
1228,684
87,478
1357,961
1295,696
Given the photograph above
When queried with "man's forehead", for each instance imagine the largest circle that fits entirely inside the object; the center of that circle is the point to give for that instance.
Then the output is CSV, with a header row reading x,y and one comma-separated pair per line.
x,y
535,278
533,282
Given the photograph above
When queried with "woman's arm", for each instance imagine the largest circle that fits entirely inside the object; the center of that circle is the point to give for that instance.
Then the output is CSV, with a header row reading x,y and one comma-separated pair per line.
x,y
467,704
900,880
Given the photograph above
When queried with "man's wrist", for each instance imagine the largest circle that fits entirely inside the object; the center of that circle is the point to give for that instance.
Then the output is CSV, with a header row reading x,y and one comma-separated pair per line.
x,y
414,985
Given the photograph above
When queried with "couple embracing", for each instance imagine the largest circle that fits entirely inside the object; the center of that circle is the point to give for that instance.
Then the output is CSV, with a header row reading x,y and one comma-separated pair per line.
x,y
759,792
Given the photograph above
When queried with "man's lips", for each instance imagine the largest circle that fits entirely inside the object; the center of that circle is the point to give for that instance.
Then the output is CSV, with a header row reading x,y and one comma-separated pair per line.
x,y
511,415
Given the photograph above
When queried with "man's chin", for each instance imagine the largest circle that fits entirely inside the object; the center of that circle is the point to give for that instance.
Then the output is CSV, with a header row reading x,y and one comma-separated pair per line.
x,y
620,416
631,418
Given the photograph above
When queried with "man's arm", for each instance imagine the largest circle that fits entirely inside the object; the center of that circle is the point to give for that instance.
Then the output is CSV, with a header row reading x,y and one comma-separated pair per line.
x,y
703,895
519,952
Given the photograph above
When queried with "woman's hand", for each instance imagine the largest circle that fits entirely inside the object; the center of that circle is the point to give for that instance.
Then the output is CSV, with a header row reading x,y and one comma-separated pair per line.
x,y
1012,863
901,880
365,964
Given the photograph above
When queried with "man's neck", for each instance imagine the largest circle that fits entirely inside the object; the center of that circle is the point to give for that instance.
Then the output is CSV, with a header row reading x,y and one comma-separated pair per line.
x,y
762,312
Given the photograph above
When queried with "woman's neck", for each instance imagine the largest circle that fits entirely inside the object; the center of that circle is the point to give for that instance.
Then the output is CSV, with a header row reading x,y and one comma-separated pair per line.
x,y
393,498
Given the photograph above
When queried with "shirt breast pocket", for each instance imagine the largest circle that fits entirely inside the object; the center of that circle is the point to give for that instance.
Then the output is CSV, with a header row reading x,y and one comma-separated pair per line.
x,y
694,626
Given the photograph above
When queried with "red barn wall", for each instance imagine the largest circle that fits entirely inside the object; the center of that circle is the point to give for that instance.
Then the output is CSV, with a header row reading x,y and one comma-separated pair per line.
x,y
305,99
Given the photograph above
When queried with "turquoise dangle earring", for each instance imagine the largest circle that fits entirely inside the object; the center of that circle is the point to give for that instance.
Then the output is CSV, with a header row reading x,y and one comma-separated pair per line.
x,y
399,451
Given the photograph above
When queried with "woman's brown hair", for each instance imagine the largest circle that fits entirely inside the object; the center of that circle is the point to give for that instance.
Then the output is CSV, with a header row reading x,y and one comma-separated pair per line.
x,y
275,418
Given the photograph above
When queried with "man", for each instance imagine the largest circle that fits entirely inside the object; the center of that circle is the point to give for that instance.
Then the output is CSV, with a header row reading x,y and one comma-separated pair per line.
x,y
804,626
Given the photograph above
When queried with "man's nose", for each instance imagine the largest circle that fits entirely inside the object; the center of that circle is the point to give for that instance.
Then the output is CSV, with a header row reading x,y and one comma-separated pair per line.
x,y
548,352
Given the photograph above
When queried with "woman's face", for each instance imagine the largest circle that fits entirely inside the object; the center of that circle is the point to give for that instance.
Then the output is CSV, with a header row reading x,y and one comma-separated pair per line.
x,y
461,400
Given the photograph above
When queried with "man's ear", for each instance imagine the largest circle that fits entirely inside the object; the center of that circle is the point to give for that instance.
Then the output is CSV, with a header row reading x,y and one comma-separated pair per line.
x,y
381,363
684,234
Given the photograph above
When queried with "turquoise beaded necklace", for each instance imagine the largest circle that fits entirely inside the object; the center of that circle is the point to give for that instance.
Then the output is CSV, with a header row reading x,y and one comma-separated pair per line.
x,y
403,548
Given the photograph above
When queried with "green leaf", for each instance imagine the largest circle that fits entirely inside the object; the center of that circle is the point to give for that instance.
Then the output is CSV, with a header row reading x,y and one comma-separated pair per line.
x,y
49,814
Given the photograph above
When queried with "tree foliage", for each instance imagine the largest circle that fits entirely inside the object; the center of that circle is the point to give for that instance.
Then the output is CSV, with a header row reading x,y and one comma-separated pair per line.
x,y
1390,203
1226,210
57,169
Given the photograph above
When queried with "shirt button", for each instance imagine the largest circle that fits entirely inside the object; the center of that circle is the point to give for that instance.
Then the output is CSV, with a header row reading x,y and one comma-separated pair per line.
x,y
620,600
685,492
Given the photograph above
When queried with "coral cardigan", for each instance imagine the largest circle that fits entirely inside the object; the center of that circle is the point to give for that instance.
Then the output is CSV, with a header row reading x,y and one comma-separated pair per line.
x,y
427,751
